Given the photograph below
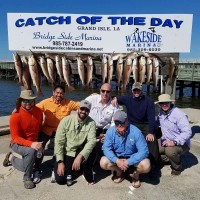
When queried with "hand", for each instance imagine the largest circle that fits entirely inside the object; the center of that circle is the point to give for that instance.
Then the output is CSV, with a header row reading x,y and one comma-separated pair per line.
x,y
168,143
36,145
102,137
77,162
150,137
61,169
114,101
122,164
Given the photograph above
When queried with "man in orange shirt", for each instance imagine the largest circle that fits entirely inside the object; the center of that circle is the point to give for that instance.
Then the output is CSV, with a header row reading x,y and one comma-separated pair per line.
x,y
55,109
24,128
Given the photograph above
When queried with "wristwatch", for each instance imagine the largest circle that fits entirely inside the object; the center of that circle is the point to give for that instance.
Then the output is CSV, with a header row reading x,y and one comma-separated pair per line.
x,y
175,143
60,161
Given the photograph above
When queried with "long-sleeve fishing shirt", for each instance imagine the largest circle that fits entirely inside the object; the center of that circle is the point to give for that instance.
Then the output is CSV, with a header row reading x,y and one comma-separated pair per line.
x,y
175,126
73,136
132,145
102,115
24,126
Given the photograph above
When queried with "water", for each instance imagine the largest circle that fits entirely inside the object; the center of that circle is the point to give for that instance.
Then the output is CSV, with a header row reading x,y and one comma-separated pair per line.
x,y
9,92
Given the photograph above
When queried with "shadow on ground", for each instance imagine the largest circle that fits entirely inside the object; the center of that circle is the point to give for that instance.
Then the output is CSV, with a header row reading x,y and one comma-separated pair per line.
x,y
195,130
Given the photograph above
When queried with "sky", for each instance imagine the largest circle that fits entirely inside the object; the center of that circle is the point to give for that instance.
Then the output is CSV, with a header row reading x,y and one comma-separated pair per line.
x,y
107,7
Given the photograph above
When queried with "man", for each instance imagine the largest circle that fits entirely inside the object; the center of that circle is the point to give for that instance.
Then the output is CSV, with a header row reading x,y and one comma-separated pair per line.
x,y
102,110
176,133
55,109
24,127
74,143
125,149
141,113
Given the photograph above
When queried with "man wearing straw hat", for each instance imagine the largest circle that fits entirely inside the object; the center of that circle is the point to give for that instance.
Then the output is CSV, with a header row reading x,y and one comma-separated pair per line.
x,y
176,133
24,127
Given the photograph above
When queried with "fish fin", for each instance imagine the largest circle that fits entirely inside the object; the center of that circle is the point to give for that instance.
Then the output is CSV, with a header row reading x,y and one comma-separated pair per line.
x,y
71,88
39,93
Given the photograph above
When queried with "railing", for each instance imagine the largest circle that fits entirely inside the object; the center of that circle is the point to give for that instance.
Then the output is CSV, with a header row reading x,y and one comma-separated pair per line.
x,y
188,72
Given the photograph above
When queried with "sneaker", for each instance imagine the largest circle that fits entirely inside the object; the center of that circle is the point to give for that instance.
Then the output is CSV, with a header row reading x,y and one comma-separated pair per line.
x,y
37,177
6,162
69,180
53,179
28,184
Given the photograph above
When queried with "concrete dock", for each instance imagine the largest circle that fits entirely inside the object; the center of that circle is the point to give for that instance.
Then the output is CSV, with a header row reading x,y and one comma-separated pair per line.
x,y
162,186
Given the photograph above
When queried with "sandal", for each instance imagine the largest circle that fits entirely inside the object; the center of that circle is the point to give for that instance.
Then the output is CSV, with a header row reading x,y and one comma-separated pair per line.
x,y
117,179
6,162
135,180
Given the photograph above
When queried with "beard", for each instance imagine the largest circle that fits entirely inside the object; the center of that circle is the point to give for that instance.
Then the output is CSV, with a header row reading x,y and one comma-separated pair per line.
x,y
82,116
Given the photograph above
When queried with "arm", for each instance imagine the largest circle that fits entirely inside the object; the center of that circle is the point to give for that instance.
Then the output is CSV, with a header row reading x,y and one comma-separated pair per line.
x,y
91,141
151,116
108,147
142,148
60,140
74,105
121,100
185,129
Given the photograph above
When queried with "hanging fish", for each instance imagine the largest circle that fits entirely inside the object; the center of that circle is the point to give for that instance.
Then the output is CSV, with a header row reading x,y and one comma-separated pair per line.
x,y
18,67
43,65
104,68
119,71
33,69
110,68
126,72
89,70
118,55
50,67
67,73
142,69
172,68
149,70
81,70
59,68
155,73
26,74
135,70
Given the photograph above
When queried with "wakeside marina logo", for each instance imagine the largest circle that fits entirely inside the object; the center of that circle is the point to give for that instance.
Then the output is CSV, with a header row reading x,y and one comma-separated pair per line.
x,y
143,40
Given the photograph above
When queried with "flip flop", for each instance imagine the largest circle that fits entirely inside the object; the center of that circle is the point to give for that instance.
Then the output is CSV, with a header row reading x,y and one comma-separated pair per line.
x,y
117,179
135,180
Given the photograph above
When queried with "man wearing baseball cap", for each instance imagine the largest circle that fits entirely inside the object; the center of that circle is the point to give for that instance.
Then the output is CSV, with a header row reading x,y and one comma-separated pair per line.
x,y
125,150
176,133
141,113
74,143
24,127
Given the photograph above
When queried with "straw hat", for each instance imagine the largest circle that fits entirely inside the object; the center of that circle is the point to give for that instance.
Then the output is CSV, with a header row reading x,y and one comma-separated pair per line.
x,y
27,94
164,98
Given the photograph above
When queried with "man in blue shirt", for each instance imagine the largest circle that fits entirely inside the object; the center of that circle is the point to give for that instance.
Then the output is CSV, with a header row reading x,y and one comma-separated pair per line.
x,y
176,133
125,148
141,113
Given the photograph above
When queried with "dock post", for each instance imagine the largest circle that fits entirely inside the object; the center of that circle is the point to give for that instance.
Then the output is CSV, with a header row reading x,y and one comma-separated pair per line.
x,y
181,88
193,89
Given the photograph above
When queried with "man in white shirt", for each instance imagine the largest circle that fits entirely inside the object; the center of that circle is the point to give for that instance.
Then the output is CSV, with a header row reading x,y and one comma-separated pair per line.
x,y
102,110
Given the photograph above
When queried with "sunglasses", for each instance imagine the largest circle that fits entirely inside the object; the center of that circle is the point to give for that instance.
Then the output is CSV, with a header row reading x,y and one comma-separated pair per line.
x,y
28,100
117,123
136,90
105,91
164,103
85,109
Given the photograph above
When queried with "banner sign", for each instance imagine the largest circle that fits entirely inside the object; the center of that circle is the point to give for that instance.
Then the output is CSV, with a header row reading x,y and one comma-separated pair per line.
x,y
158,33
